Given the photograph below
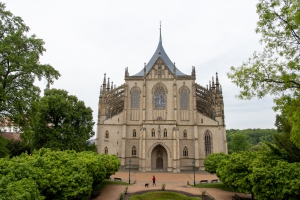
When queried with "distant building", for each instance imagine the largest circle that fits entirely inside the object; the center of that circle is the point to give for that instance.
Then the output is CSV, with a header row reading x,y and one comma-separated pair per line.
x,y
160,118
9,130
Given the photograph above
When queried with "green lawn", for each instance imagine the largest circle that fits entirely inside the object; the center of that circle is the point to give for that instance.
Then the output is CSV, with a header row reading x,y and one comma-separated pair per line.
x,y
162,195
221,186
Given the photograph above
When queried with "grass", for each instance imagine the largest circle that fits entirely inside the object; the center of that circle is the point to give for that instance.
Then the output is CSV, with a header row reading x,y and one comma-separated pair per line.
x,y
162,195
220,186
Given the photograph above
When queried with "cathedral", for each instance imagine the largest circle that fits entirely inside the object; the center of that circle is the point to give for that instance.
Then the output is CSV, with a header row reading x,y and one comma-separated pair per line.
x,y
160,119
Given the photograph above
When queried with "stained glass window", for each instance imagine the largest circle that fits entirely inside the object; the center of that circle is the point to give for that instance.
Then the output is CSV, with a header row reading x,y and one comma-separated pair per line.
x,y
159,98
207,144
135,97
184,101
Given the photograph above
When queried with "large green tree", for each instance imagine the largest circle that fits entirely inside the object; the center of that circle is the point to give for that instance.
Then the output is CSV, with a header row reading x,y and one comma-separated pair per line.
x,y
275,70
62,122
19,67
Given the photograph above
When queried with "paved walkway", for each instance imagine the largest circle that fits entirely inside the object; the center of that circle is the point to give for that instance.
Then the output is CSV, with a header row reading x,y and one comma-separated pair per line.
x,y
173,181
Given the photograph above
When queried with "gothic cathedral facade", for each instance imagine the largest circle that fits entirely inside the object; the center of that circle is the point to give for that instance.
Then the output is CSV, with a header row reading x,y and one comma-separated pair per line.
x,y
160,118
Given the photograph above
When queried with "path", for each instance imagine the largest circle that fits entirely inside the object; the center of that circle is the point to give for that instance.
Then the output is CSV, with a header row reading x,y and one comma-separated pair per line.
x,y
173,181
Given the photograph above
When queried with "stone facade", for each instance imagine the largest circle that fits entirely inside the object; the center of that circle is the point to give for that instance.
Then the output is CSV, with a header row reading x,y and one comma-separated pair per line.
x,y
161,119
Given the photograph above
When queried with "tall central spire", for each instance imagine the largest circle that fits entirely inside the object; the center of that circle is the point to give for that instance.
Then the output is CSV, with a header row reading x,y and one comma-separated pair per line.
x,y
160,32
160,53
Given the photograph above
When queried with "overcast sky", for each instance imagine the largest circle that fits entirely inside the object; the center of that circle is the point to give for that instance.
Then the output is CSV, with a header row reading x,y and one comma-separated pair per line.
x,y
85,39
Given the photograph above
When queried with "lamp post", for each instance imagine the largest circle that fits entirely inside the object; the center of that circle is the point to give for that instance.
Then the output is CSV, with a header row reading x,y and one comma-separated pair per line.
x,y
129,169
194,172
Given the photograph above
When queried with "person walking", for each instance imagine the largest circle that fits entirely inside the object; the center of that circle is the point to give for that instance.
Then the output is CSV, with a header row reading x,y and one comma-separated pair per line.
x,y
154,179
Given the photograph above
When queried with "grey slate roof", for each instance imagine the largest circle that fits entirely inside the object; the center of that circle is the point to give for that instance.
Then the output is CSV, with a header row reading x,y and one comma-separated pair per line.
x,y
160,52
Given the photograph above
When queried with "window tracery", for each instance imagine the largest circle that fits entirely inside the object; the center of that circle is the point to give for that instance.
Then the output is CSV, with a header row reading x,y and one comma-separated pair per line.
x,y
159,98
135,98
165,133
184,99
185,152
207,143
133,151
185,134
153,133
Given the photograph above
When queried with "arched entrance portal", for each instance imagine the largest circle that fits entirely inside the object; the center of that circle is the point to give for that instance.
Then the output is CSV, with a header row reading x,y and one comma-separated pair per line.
x,y
159,158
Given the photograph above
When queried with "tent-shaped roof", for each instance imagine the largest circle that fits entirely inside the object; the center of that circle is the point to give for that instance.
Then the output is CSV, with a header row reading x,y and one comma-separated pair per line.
x,y
160,52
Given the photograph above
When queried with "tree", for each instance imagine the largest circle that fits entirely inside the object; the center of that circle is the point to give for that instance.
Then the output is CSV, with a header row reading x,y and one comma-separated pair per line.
x,y
238,143
212,160
3,149
283,141
235,172
62,122
19,68
276,69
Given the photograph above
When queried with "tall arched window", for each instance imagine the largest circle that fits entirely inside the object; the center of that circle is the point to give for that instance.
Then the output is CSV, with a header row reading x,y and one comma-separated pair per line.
x,y
184,134
134,133
185,151
135,99
153,133
184,99
106,134
133,151
207,143
106,150
165,133
159,98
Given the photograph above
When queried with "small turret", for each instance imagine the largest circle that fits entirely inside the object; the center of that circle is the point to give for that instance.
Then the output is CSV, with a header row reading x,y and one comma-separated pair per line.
x,y
108,86
144,69
112,85
213,86
104,84
174,69
217,83
193,71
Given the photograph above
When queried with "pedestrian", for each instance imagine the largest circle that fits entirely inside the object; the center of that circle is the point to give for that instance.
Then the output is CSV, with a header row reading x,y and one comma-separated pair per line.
x,y
154,179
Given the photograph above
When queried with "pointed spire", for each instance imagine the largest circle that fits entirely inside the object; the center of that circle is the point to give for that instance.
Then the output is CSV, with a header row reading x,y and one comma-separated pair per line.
x,y
174,69
108,86
217,79
104,80
104,84
160,40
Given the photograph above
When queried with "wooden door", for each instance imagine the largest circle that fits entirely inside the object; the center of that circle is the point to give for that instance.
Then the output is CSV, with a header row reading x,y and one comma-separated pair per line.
x,y
159,163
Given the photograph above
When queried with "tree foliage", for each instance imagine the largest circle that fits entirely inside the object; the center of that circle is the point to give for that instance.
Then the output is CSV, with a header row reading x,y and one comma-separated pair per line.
x,y
48,174
276,69
235,172
19,68
283,141
212,160
248,139
62,122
